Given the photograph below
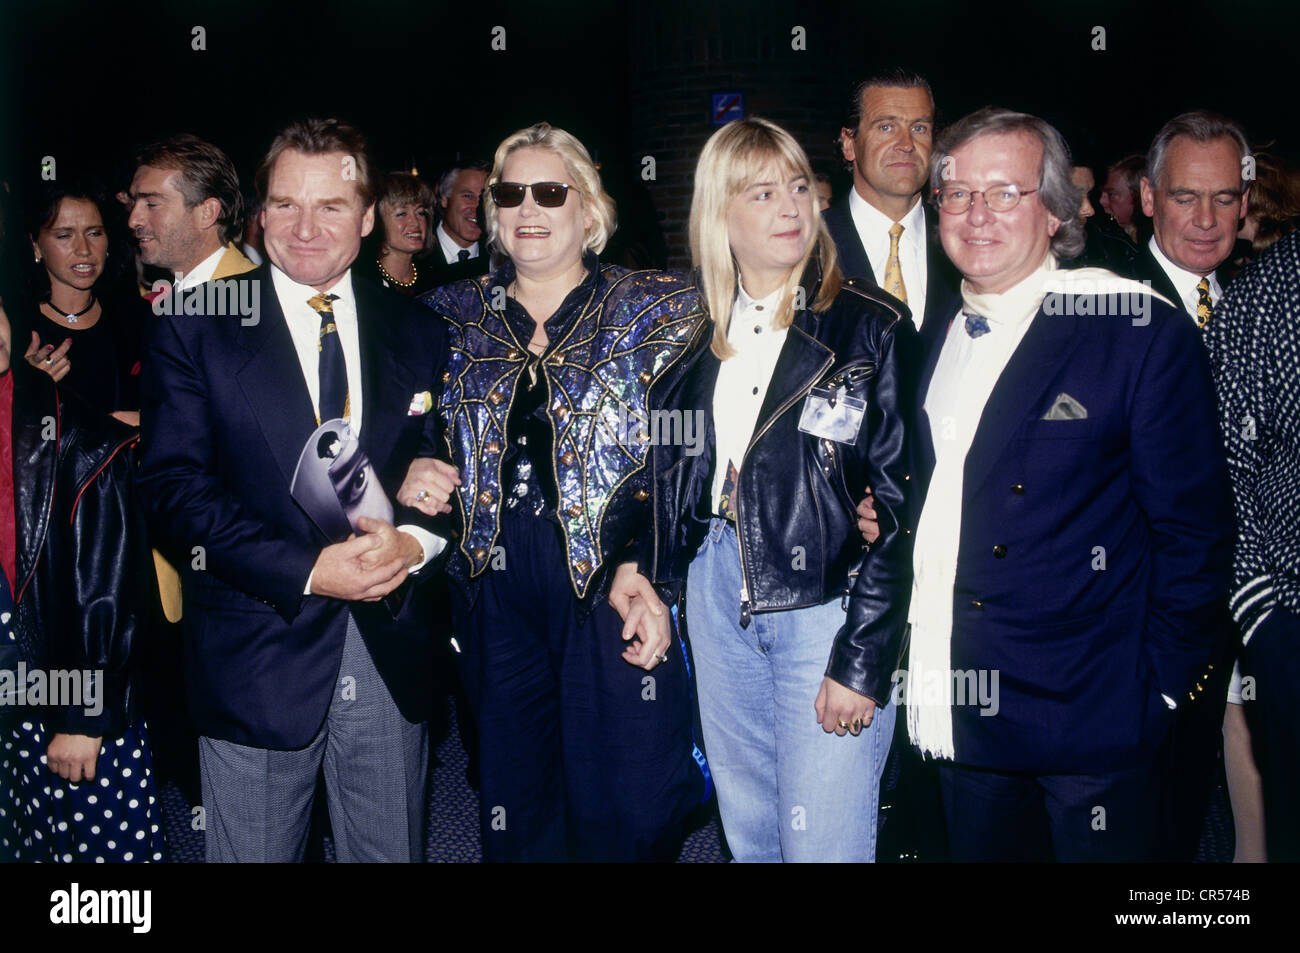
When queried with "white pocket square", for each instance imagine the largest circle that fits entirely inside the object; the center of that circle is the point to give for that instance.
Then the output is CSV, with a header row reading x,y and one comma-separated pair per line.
x,y
421,403
1066,407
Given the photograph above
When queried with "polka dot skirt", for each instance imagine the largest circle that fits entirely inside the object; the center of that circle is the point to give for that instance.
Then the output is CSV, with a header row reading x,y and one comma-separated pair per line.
x,y
114,818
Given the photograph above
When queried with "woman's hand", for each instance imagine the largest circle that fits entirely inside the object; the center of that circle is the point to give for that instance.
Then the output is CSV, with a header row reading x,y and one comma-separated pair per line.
x,y
868,525
51,360
73,757
645,617
841,709
428,486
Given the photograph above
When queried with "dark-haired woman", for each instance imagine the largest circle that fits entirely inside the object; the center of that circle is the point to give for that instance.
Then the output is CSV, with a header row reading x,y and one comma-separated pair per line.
x,y
78,326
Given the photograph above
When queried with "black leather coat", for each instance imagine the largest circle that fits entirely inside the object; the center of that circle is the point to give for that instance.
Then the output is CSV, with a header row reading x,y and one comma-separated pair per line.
x,y
81,548
797,499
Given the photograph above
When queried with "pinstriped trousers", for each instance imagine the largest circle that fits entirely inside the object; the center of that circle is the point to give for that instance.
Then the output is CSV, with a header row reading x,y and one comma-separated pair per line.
x,y
257,803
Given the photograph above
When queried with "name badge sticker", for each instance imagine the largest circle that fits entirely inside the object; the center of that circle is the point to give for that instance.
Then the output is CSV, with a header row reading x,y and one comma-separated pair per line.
x,y
831,414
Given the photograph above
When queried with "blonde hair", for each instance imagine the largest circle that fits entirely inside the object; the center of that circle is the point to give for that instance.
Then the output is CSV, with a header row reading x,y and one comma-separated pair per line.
x,y
732,160
577,162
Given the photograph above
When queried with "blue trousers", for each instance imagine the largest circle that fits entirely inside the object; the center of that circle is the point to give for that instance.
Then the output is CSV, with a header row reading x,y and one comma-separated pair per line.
x,y
582,756
787,789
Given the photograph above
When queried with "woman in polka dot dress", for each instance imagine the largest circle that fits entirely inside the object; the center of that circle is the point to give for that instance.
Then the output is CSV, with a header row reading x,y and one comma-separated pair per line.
x,y
76,782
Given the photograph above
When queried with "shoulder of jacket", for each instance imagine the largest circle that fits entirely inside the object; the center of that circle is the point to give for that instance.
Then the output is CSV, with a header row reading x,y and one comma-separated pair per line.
x,y
863,297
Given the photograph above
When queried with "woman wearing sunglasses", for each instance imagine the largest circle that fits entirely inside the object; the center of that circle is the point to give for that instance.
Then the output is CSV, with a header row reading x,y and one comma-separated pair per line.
x,y
565,649
794,626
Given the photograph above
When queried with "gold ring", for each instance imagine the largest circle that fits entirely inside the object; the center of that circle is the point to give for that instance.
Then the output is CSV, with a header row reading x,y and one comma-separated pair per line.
x,y
857,724
844,724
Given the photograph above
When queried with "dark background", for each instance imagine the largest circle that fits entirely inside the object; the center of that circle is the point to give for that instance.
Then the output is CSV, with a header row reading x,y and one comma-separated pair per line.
x,y
87,82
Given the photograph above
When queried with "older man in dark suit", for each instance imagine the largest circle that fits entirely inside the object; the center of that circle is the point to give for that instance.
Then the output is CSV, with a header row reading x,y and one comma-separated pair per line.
x,y
1072,551
293,663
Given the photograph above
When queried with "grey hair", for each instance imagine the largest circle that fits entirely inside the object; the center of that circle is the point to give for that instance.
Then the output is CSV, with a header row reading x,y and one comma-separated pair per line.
x,y
448,179
1059,195
1200,126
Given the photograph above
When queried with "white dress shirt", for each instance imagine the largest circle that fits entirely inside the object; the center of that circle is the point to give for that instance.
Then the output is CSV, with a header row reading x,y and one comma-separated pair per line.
x,y
873,227
304,329
450,250
203,271
1185,282
742,380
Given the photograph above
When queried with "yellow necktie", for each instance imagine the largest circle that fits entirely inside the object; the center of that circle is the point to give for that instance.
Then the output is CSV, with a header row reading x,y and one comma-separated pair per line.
x,y
1204,309
893,270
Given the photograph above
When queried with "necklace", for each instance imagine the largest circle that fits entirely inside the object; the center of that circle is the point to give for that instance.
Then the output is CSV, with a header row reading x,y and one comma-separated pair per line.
x,y
415,274
72,318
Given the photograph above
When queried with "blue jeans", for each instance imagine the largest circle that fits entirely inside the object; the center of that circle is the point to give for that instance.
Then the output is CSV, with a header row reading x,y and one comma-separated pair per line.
x,y
787,790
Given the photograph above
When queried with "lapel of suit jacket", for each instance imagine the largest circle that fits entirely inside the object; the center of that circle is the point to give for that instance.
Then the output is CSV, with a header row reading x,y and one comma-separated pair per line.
x,y
853,254
381,374
272,379
924,442
1046,346
233,262
1160,280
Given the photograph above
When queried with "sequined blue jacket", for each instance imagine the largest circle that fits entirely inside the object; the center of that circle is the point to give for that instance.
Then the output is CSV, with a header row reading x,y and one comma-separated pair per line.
x,y
610,373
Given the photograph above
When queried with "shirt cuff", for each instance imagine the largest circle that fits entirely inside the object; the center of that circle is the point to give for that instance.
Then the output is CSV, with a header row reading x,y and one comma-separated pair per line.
x,y
431,543
1169,701
306,590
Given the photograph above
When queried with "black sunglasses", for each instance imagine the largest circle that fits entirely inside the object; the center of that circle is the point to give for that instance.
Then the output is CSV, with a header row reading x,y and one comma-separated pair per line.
x,y
545,194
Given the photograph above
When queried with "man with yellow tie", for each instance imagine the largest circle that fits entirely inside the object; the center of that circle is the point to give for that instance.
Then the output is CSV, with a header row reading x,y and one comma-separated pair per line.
x,y
881,229
1196,190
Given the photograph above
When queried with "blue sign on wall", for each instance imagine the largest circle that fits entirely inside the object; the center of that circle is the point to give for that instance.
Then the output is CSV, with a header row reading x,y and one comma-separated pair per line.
x,y
724,107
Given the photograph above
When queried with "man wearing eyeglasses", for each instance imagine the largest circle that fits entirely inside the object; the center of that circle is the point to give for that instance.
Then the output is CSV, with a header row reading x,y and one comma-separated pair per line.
x,y
1075,531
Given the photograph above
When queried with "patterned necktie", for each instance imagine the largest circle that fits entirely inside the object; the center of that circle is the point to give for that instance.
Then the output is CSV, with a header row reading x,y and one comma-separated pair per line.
x,y
334,398
462,255
1204,309
975,324
893,270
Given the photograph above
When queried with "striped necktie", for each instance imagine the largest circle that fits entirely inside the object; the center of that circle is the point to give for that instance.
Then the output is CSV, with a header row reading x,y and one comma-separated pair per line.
x,y
332,369
894,270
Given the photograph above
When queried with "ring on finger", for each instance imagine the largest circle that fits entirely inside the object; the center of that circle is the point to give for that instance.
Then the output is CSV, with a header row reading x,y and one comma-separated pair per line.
x,y
857,725
421,496
843,724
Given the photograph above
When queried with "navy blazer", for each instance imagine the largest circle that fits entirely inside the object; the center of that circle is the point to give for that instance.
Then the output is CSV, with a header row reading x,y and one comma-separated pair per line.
x,y
1094,556
942,283
225,415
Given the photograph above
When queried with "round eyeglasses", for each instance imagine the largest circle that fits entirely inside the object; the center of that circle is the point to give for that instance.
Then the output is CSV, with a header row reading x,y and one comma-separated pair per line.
x,y
999,198
545,194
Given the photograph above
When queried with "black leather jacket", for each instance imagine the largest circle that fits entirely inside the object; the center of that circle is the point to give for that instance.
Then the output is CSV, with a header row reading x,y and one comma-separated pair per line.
x,y
81,548
797,499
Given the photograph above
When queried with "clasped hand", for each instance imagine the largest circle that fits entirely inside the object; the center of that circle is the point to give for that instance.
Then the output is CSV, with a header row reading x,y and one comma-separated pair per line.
x,y
646,625
368,567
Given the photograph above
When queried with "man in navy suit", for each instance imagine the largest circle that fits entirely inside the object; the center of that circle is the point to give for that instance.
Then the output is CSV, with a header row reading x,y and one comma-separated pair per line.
x,y
303,652
1072,550
881,228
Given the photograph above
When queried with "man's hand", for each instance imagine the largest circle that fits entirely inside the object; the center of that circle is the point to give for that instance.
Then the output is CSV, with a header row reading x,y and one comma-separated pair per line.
x,y
867,523
339,572
73,757
392,544
841,709
428,486
51,360
645,617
